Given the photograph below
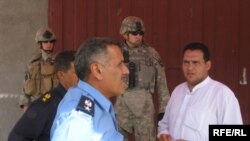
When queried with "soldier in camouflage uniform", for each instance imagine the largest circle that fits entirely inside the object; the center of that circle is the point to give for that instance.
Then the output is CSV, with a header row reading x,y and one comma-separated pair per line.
x,y
40,76
135,109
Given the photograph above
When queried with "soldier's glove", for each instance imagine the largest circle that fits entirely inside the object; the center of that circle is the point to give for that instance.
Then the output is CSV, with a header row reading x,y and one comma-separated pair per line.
x,y
160,116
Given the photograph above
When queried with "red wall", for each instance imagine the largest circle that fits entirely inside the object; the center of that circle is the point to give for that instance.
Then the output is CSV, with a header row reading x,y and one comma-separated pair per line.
x,y
170,24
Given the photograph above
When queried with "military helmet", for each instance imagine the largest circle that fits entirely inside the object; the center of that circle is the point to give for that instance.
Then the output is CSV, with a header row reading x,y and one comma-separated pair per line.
x,y
45,34
132,23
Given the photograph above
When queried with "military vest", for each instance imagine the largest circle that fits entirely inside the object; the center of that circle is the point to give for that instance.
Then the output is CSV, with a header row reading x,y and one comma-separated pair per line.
x,y
40,76
141,65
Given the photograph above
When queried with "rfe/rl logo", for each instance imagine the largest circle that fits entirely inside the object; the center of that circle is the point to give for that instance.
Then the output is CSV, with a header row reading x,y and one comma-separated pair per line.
x,y
229,132
224,132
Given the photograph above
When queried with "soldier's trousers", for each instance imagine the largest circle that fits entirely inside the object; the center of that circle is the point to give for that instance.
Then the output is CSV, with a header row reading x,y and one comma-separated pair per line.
x,y
143,127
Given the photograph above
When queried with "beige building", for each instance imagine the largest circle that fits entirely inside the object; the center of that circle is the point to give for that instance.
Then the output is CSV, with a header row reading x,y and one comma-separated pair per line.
x,y
19,20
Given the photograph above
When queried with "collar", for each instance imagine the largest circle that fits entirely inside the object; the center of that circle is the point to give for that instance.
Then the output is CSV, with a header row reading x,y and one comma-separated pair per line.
x,y
61,90
200,85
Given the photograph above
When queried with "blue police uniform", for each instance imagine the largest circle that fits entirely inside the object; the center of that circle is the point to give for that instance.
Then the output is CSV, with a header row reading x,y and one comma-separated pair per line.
x,y
84,114
36,122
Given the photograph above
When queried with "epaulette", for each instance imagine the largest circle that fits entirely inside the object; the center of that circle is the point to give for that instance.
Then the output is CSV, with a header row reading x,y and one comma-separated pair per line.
x,y
46,97
86,105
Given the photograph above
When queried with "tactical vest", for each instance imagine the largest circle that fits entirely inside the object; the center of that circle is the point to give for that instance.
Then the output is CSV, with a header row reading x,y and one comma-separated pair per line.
x,y
40,77
141,64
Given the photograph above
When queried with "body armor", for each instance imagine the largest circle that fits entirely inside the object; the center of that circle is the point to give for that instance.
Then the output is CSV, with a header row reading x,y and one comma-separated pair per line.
x,y
40,77
141,68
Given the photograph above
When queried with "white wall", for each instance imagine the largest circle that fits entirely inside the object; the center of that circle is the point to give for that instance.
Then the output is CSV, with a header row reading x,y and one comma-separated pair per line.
x,y
19,20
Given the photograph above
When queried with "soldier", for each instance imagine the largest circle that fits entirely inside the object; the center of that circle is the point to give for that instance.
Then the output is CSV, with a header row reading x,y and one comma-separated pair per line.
x,y
135,109
36,122
40,76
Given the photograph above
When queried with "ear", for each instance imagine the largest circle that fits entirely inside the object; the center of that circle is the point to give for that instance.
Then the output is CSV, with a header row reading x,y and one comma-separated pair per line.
x,y
125,36
96,70
40,45
60,75
209,64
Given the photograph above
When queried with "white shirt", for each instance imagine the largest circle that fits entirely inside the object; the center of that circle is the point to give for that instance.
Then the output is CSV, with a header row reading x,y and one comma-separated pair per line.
x,y
189,114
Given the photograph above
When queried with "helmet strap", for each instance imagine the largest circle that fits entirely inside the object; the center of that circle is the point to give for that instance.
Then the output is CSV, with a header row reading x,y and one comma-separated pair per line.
x,y
46,54
47,51
130,44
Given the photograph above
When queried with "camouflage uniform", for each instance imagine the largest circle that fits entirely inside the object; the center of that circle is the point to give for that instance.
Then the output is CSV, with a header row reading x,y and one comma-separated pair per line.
x,y
40,76
135,109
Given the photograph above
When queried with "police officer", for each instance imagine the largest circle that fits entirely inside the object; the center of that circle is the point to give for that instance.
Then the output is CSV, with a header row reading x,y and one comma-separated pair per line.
x,y
135,109
36,122
40,75
86,112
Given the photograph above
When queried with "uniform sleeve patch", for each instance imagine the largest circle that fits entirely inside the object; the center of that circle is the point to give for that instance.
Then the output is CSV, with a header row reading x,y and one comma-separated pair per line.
x,y
86,105
46,97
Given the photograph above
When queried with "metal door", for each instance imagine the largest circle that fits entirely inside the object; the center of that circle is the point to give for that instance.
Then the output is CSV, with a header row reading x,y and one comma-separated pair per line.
x,y
170,24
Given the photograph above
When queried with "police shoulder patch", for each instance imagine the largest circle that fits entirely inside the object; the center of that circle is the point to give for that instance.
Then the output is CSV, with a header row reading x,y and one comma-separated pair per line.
x,y
46,97
86,105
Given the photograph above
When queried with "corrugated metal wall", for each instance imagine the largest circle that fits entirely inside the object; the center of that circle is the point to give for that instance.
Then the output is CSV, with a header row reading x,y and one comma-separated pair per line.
x,y
170,24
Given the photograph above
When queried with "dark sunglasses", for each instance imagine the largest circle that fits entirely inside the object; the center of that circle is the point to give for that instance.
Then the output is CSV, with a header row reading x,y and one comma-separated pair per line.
x,y
48,41
136,33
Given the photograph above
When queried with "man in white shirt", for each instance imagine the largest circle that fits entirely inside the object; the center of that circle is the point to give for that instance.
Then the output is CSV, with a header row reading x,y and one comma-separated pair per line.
x,y
198,102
